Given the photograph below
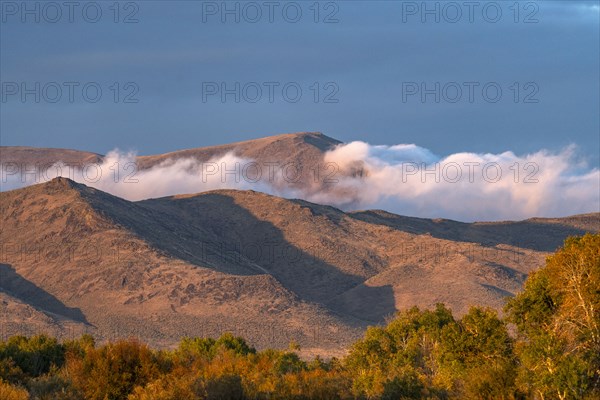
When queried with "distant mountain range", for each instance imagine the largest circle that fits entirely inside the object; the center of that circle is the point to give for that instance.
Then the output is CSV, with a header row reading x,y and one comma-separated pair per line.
x,y
76,259
299,148
298,155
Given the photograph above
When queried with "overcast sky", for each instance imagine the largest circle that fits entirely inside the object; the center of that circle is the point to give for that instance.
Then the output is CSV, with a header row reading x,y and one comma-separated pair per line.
x,y
361,67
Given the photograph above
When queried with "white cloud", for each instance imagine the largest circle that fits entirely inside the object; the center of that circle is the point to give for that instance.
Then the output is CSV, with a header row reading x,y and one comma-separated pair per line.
x,y
408,179
404,179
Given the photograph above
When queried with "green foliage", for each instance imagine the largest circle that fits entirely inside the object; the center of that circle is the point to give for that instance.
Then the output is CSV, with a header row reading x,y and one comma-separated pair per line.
x,y
476,356
531,311
404,351
10,371
33,356
558,322
289,363
405,385
237,344
191,349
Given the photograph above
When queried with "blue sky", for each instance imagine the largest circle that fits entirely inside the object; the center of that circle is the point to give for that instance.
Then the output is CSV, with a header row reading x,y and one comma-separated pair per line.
x,y
545,59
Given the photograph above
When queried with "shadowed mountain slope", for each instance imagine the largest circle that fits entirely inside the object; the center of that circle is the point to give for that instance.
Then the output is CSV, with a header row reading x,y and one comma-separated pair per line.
x,y
543,234
128,271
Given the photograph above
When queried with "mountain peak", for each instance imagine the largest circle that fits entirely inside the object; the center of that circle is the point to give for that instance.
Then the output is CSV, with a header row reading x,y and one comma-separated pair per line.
x,y
61,181
319,140
62,184
60,187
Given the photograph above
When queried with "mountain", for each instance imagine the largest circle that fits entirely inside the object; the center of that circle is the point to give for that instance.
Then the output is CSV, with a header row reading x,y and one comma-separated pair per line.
x,y
304,148
77,259
299,148
282,162
25,156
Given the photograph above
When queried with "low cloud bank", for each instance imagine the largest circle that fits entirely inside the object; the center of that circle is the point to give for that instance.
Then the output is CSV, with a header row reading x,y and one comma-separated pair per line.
x,y
404,179
466,186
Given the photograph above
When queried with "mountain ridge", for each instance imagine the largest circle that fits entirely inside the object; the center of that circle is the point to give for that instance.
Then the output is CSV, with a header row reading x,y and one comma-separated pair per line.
x,y
45,155
237,260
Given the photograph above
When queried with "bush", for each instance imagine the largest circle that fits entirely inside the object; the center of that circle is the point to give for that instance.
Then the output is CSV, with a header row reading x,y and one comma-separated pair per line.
x,y
52,387
11,392
224,387
34,355
113,371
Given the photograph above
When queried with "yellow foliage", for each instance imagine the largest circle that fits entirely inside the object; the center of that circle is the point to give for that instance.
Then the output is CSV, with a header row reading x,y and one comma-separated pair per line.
x,y
11,392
